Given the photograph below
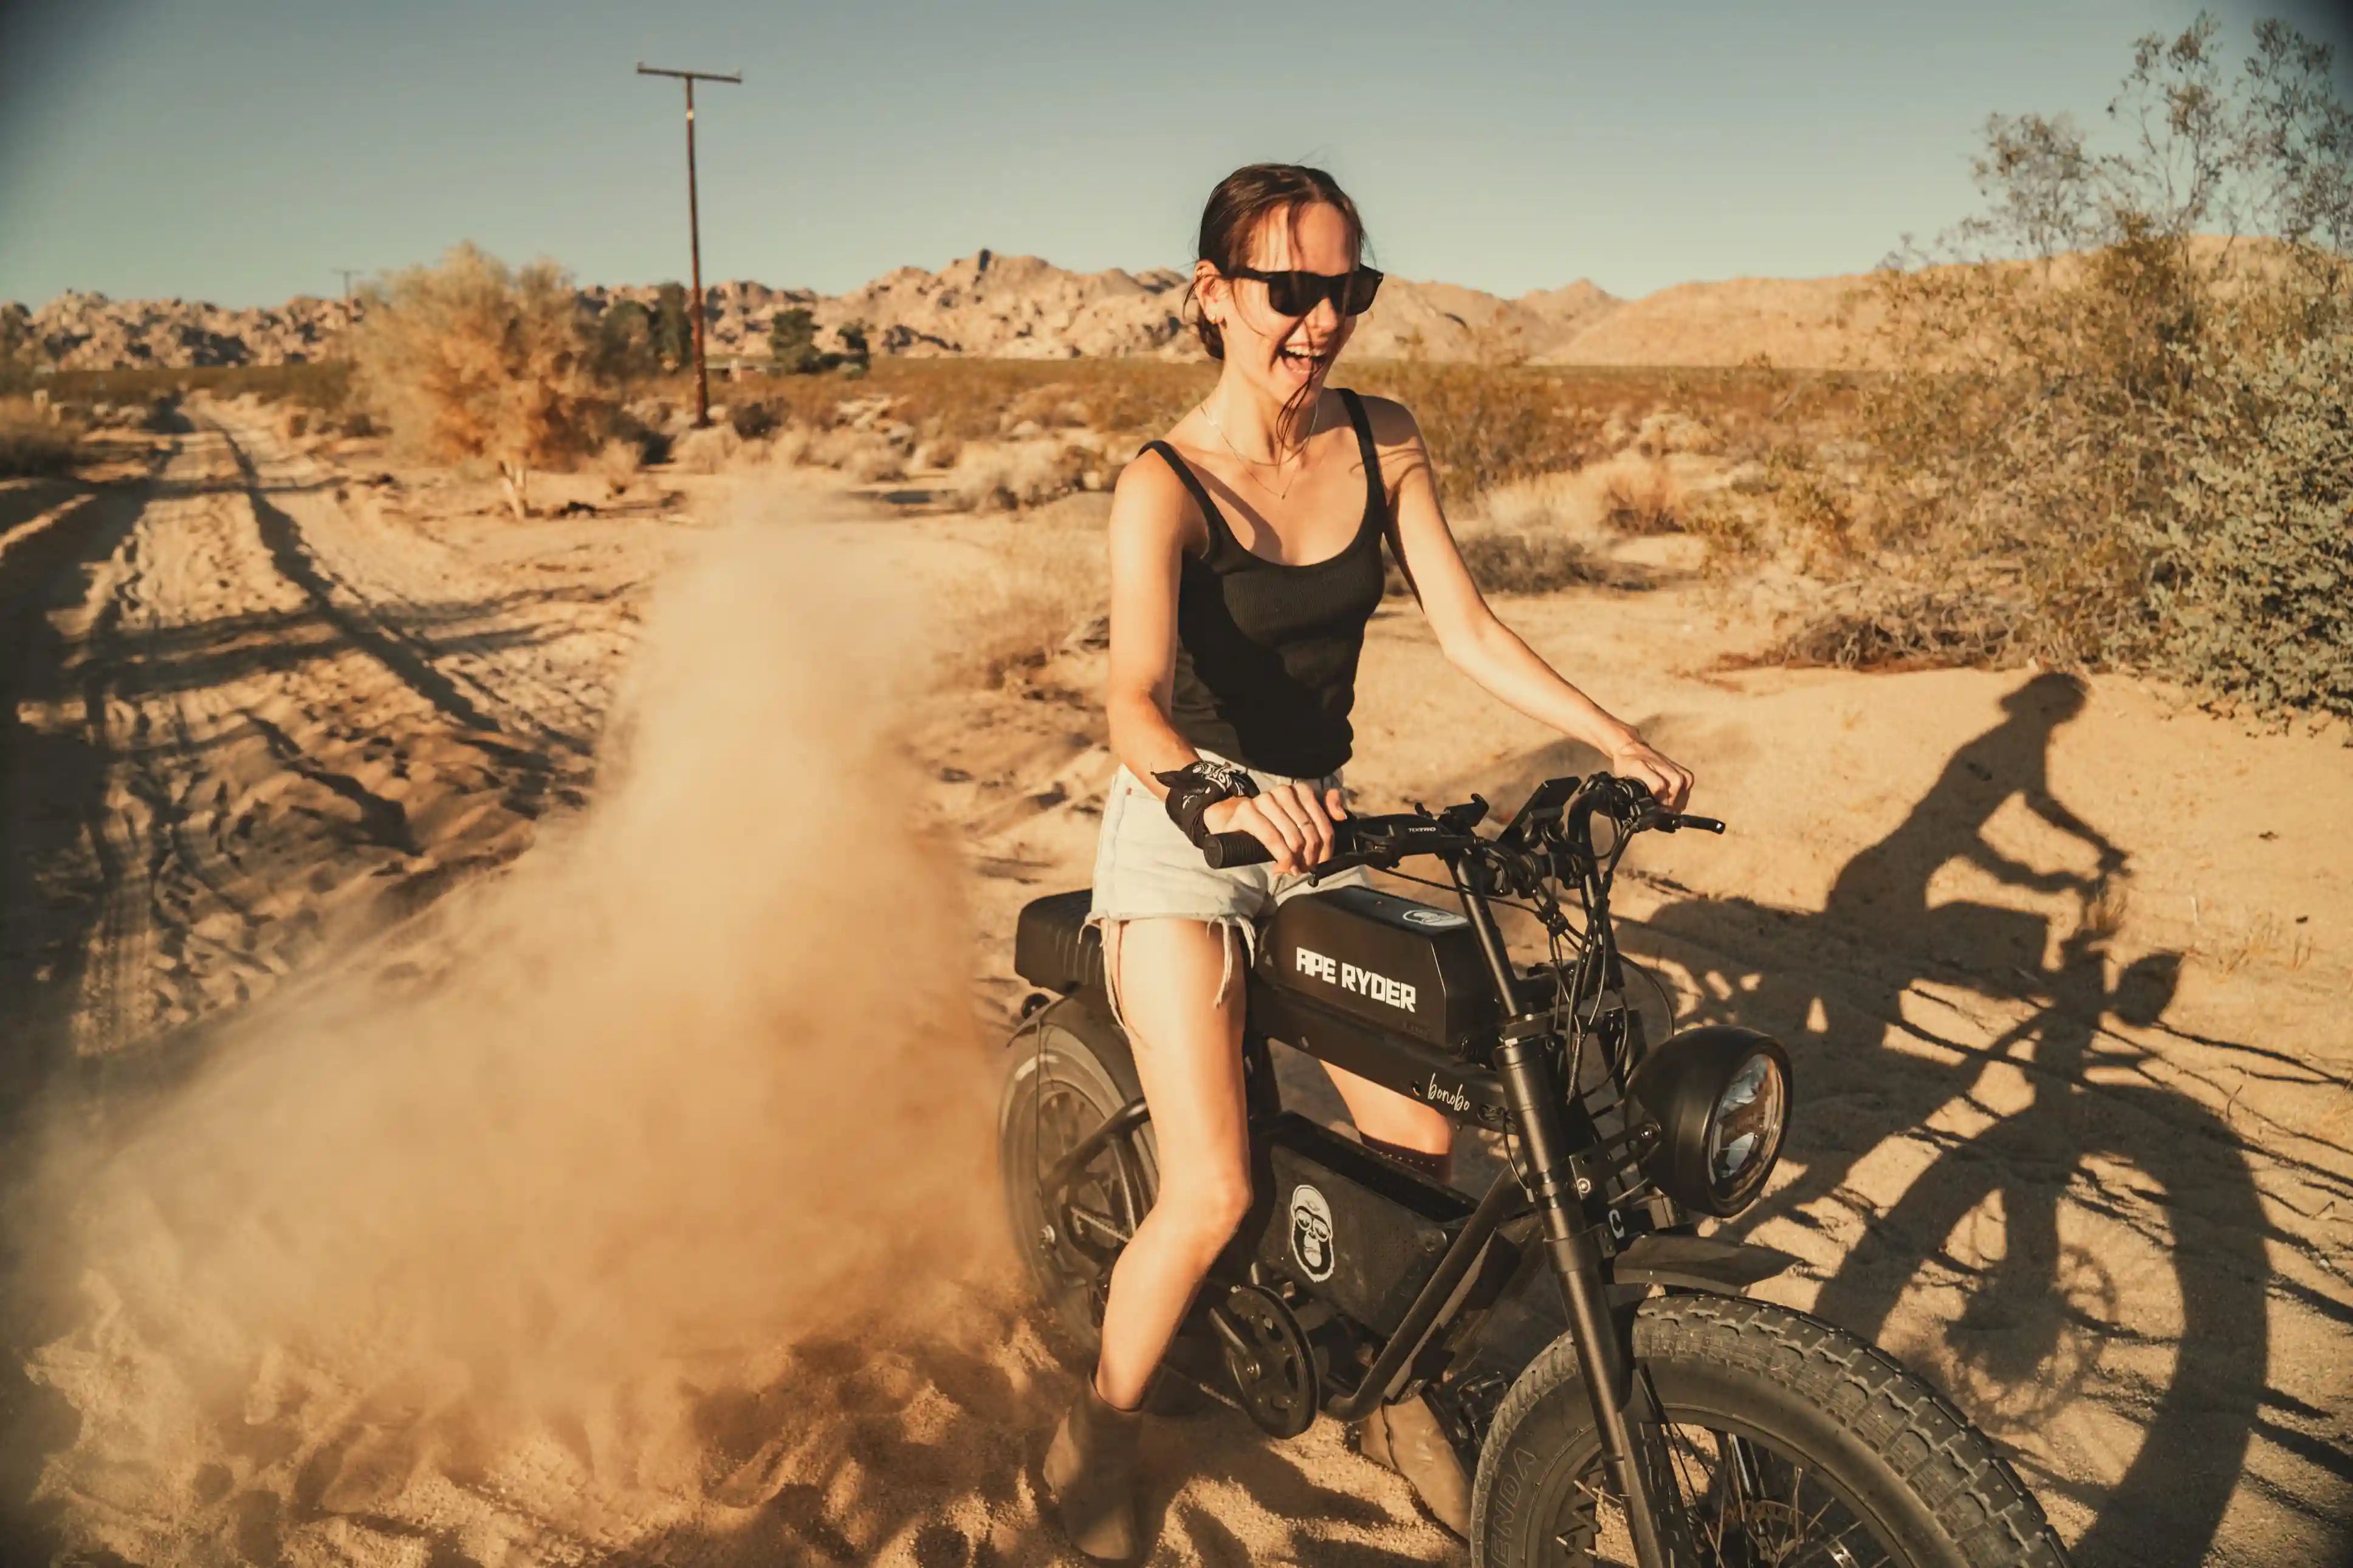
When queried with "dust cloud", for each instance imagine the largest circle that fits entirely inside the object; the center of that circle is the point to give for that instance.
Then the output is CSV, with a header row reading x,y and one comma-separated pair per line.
x,y
699,1085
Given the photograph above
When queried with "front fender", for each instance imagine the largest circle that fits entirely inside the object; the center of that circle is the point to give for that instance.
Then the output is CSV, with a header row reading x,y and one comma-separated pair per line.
x,y
1676,1261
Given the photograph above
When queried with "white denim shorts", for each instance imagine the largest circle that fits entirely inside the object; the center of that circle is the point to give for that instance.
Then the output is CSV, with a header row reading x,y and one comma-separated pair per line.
x,y
1145,869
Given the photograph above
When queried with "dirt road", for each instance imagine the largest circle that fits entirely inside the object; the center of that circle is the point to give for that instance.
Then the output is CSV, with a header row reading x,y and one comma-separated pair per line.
x,y
248,710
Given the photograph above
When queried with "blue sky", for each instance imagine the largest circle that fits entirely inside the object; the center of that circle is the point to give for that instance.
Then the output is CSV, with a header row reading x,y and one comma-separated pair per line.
x,y
240,150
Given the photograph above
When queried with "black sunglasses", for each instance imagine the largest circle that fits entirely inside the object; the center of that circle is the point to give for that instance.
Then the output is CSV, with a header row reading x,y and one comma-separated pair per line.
x,y
1295,293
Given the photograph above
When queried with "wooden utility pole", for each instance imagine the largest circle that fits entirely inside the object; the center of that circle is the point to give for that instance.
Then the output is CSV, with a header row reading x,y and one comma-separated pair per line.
x,y
694,226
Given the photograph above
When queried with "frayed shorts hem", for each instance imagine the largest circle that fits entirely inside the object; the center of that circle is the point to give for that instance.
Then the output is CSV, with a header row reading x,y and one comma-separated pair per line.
x,y
1145,869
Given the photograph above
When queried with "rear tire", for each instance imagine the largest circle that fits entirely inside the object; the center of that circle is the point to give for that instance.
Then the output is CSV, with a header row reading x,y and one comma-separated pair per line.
x,y
1877,1468
1067,1072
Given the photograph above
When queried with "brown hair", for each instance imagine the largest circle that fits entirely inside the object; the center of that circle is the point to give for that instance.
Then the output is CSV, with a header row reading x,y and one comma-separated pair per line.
x,y
1244,199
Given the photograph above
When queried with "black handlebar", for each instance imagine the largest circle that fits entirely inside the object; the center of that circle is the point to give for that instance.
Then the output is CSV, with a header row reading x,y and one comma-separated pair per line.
x,y
1225,849
1362,840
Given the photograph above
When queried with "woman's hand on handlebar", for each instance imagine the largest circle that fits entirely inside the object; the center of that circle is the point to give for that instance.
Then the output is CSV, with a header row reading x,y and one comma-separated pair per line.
x,y
1669,782
1293,820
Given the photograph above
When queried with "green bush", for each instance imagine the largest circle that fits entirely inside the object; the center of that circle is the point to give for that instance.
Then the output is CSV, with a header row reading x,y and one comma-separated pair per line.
x,y
2084,366
792,341
624,342
673,327
2254,566
16,347
855,358
752,419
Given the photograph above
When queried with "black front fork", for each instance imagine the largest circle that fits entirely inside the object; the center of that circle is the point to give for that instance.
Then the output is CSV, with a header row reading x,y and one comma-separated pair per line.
x,y
1633,1441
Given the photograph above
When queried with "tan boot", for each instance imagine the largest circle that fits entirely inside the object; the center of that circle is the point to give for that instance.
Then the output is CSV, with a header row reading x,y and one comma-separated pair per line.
x,y
1091,1469
1407,1438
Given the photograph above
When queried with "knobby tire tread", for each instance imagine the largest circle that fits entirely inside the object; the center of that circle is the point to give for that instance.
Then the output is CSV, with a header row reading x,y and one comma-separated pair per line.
x,y
1971,1492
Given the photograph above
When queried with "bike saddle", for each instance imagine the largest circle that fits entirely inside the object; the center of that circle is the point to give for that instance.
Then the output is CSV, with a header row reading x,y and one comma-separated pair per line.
x,y
1054,946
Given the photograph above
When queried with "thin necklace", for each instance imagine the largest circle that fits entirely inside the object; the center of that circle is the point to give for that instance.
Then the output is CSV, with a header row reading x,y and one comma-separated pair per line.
x,y
1250,464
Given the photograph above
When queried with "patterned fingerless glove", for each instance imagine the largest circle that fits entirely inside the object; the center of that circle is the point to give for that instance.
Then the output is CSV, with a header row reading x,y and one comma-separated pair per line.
x,y
1193,789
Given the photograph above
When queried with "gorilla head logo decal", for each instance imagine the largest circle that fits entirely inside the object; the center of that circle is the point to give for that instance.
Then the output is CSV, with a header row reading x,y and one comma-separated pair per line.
x,y
1311,1233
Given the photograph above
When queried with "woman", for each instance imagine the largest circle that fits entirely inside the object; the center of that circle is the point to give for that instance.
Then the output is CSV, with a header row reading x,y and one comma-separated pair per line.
x,y
1245,562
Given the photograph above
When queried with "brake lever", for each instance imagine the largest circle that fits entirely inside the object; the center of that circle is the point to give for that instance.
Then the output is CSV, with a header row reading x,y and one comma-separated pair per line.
x,y
1676,822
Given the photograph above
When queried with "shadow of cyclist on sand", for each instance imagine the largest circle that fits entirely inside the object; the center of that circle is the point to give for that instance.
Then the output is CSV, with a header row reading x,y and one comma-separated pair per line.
x,y
1875,1058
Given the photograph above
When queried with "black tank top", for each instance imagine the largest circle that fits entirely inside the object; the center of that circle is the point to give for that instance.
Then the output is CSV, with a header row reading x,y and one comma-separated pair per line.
x,y
1266,653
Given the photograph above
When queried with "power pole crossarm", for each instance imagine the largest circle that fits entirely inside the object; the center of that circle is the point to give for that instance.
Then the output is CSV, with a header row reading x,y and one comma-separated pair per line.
x,y
694,224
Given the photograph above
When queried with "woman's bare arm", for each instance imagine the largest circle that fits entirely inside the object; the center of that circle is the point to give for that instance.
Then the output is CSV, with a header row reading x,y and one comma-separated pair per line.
x,y
1473,641
1146,541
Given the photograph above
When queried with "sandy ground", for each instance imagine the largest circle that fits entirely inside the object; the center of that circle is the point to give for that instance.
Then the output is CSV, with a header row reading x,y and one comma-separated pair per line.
x,y
2061,970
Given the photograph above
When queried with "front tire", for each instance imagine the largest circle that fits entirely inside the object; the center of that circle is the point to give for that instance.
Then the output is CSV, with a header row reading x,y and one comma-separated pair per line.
x,y
1793,1443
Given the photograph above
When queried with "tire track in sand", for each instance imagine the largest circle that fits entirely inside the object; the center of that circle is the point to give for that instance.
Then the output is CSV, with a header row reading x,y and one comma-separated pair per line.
x,y
281,768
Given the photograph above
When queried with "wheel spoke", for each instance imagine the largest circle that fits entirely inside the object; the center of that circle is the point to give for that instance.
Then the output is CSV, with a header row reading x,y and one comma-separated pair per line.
x,y
1750,1506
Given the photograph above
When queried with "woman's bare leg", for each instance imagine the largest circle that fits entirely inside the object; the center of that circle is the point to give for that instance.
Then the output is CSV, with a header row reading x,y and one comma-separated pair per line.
x,y
1390,1117
1188,1053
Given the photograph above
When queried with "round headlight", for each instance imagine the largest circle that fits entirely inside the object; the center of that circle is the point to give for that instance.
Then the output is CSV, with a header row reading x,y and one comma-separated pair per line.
x,y
1721,1097
1744,1132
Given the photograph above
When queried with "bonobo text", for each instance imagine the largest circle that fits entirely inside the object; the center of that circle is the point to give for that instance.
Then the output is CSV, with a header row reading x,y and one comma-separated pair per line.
x,y
1348,977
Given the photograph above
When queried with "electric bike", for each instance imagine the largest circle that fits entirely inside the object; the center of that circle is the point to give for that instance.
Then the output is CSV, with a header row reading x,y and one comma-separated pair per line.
x,y
1660,1416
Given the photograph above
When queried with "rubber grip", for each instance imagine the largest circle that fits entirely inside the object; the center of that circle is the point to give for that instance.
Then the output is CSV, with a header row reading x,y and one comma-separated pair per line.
x,y
1228,850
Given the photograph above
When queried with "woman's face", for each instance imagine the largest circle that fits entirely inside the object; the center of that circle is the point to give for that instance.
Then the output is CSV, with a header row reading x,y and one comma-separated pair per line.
x,y
1282,353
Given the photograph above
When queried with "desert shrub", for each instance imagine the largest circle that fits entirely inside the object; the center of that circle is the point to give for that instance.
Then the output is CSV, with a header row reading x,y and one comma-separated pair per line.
x,y
673,327
792,341
1619,497
2253,580
18,352
1515,561
644,428
2069,345
1642,501
857,356
471,359
1487,425
1005,475
1911,626
35,440
624,342
754,419
1793,503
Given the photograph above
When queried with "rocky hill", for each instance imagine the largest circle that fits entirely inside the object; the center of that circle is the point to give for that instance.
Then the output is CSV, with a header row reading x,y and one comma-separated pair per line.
x,y
1024,308
89,332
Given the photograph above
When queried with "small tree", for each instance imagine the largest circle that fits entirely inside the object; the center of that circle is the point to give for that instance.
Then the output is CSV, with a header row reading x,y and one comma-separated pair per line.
x,y
792,341
472,359
855,355
625,341
674,331
15,346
